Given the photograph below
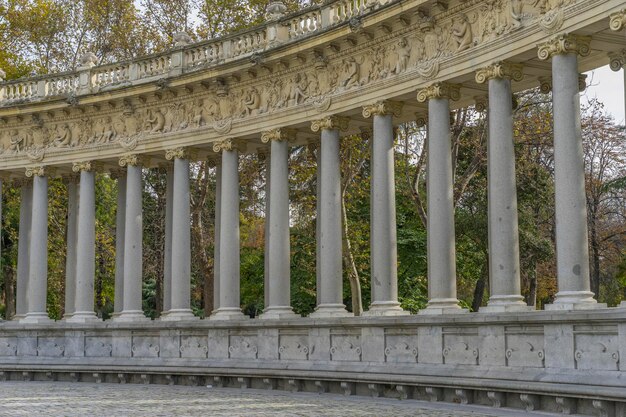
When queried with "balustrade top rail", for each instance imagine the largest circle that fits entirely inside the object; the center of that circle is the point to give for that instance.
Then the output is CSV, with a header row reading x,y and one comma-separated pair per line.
x,y
185,56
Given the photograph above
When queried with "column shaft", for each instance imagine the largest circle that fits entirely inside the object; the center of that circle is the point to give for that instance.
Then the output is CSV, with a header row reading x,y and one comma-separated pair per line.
x,y
38,272
180,286
330,245
383,239
278,240
70,260
229,307
266,249
440,224
570,204
133,251
218,223
167,258
85,249
23,250
504,266
120,225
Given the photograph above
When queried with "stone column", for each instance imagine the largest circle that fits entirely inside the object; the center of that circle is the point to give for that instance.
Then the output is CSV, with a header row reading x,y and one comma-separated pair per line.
x,y
70,259
277,240
266,230
439,185
569,174
383,237
23,248
85,245
216,248
504,264
318,224
133,235
180,281
167,256
330,258
36,292
230,304
120,223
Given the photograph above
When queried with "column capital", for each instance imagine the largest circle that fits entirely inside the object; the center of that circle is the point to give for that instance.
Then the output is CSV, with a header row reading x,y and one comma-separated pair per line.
x,y
116,174
564,44
481,103
421,118
279,134
383,108
582,82
72,178
85,166
501,69
617,20
617,60
330,123
227,145
545,85
132,160
440,90
177,153
39,171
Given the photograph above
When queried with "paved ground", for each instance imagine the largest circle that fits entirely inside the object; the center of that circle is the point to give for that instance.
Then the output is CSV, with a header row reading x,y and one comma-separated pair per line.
x,y
52,399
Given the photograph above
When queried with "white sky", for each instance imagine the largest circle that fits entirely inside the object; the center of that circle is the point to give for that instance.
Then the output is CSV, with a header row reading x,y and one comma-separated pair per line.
x,y
608,87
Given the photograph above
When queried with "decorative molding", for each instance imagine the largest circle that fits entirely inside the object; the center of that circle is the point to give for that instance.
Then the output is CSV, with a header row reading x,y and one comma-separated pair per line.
x,y
564,44
545,85
481,103
617,60
439,90
39,171
383,108
617,20
330,123
279,134
501,69
132,160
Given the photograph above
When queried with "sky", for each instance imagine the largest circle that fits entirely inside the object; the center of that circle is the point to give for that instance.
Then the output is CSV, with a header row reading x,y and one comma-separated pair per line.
x,y
608,87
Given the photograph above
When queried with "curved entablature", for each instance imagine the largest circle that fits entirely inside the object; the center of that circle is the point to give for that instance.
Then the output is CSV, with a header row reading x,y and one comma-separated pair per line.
x,y
325,60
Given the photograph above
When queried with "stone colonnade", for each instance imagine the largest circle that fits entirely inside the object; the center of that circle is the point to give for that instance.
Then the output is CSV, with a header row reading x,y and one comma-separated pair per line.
x,y
571,233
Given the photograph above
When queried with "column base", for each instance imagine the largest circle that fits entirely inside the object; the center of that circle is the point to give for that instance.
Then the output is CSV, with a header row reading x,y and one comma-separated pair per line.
x,y
330,310
278,313
18,317
178,315
622,304
443,306
574,300
505,303
131,315
82,317
228,313
385,308
36,318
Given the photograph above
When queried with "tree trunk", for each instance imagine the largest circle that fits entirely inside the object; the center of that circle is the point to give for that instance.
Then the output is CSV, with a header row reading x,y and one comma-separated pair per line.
x,y
595,252
479,290
349,264
99,278
531,300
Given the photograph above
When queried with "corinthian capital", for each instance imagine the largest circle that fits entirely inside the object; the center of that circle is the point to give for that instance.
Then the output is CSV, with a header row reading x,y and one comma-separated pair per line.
x,y
617,60
383,108
278,135
564,44
176,153
39,171
330,123
439,90
500,69
131,160
83,166
226,145
617,20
